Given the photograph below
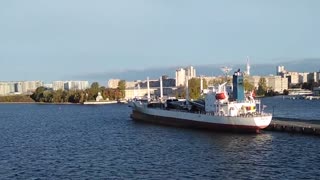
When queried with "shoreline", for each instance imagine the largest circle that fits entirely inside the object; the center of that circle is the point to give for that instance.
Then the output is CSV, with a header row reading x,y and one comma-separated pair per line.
x,y
38,103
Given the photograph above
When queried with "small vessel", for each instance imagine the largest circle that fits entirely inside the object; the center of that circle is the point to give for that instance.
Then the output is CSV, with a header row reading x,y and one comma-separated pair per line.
x,y
217,111
99,101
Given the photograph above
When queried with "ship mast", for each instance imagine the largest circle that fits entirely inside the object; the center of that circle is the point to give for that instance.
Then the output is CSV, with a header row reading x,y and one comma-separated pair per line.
x,y
201,84
248,66
161,89
187,88
148,86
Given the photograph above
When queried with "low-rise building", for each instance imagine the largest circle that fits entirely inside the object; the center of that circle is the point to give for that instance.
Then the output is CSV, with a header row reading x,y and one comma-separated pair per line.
x,y
316,91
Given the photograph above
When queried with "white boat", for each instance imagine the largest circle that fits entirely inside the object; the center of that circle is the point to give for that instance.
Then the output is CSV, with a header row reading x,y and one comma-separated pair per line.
x,y
218,112
99,102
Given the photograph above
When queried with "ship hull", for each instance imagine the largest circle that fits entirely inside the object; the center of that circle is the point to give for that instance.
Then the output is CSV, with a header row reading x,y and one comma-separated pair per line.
x,y
200,121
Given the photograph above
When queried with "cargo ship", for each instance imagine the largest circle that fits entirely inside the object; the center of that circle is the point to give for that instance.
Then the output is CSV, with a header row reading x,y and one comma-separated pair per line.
x,y
222,109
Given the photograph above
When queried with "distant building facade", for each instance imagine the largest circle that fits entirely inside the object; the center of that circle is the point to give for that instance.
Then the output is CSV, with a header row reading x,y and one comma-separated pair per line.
x,y
19,87
113,83
30,86
313,77
58,85
296,77
254,80
277,83
303,77
183,73
139,88
76,85
70,85
281,70
6,88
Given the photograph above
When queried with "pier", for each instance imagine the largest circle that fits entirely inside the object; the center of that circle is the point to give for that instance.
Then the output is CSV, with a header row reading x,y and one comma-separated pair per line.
x,y
310,127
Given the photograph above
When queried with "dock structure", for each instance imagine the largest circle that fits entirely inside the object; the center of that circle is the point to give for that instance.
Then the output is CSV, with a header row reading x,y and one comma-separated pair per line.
x,y
311,127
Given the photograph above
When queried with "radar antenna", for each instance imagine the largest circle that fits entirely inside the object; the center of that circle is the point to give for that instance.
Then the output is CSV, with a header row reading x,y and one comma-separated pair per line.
x,y
226,71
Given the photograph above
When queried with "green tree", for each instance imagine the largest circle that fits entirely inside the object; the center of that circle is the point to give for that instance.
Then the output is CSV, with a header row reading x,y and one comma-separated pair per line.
x,y
57,96
95,85
122,88
247,85
262,88
180,92
38,94
93,91
194,87
47,96
65,96
75,96
102,91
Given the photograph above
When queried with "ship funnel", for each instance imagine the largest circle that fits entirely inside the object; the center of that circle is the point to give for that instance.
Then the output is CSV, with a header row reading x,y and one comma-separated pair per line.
x,y
238,87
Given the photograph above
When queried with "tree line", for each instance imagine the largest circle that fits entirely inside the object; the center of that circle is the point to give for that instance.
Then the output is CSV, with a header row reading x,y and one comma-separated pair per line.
x,y
16,98
46,95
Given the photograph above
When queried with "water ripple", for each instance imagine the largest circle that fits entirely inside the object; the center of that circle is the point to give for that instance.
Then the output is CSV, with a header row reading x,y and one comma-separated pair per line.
x,y
102,142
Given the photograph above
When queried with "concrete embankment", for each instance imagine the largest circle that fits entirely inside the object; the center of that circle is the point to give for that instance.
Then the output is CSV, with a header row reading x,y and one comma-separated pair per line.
x,y
311,127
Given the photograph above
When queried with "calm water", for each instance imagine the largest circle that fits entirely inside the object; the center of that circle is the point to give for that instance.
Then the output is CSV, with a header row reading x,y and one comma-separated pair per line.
x,y
293,108
102,142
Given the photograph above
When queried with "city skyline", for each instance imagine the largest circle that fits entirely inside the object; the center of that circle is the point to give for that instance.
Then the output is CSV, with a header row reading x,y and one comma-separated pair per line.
x,y
62,40
203,70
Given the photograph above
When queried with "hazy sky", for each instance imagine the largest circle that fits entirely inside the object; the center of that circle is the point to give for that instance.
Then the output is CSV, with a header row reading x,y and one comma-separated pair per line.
x,y
55,39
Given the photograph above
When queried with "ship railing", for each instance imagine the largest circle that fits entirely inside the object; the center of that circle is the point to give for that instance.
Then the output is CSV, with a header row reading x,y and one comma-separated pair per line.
x,y
255,114
256,101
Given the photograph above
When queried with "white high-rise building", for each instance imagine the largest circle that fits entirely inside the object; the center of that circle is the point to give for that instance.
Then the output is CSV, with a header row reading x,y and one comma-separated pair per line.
x,y
293,77
70,85
6,88
76,85
19,87
313,77
58,85
30,86
190,72
183,73
280,70
303,77
180,77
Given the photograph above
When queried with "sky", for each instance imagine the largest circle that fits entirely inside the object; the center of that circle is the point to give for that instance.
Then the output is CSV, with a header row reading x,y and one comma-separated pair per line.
x,y
64,39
